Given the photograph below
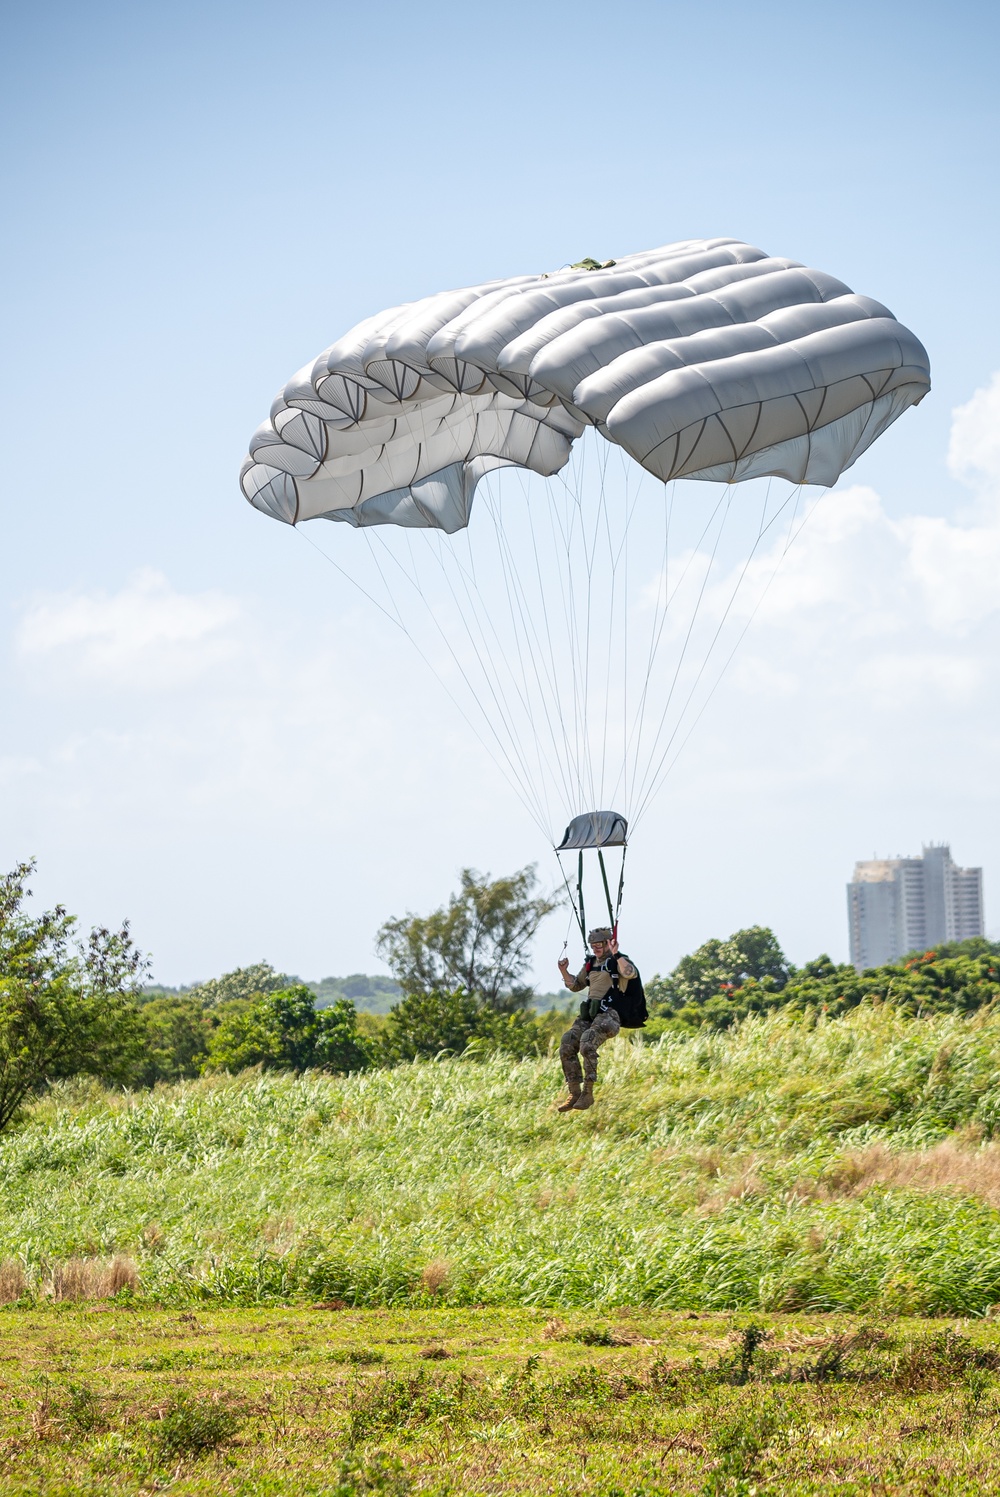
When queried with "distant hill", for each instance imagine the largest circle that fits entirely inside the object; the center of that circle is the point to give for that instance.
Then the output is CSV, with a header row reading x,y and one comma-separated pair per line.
x,y
370,995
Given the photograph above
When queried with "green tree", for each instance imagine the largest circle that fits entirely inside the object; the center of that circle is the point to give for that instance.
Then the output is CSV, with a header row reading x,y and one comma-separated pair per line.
x,y
479,942
428,1024
243,982
710,988
176,1034
284,1031
925,984
65,1008
718,969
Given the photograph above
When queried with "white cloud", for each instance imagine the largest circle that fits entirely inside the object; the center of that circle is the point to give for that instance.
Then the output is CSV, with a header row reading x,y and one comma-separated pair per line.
x,y
974,449
957,568
147,637
894,680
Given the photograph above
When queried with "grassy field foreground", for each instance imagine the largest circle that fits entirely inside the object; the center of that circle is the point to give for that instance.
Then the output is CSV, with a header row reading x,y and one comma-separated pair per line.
x,y
827,1165
628,1404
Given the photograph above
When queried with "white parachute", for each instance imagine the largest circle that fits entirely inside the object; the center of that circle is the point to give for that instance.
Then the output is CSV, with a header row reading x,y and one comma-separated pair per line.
x,y
707,360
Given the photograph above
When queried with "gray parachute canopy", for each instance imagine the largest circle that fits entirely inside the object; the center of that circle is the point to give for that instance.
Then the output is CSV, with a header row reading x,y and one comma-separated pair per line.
x,y
705,359
595,829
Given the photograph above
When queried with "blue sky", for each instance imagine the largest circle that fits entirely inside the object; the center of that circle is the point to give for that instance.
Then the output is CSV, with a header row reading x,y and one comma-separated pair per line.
x,y
199,198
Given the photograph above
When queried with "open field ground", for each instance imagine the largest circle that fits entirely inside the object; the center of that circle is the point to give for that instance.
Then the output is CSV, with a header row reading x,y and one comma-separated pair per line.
x,y
399,1402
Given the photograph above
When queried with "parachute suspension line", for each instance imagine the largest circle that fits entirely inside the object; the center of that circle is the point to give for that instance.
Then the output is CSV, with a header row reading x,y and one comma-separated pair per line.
x,y
489,660
523,682
542,594
568,616
650,779
659,622
605,593
567,524
518,782
577,911
392,617
513,749
601,543
604,554
615,552
588,547
621,888
634,733
586,763
398,622
790,538
621,556
563,526
612,560
629,511
525,641
485,656
763,526
641,781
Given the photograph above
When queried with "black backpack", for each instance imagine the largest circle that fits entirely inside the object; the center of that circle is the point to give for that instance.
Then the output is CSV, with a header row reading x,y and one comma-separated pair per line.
x,y
629,1004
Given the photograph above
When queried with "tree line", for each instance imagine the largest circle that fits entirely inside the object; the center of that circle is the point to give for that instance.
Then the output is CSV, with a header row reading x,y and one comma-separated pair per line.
x,y
72,1005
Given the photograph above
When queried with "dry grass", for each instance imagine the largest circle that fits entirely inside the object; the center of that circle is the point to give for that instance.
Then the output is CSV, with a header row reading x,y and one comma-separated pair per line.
x,y
435,1276
279,1231
91,1278
744,1185
951,1166
13,1283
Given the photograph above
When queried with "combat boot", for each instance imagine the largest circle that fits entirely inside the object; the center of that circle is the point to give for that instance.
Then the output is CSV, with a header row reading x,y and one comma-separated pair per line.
x,y
570,1102
586,1097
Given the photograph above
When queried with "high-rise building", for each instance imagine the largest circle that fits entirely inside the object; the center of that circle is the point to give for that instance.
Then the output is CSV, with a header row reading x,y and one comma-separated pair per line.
x,y
895,905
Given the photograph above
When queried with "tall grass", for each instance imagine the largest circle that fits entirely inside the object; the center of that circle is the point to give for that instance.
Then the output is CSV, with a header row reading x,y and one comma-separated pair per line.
x,y
779,1165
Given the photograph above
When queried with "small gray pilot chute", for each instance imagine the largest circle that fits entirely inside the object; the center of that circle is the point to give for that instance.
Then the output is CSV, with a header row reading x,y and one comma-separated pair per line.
x,y
595,830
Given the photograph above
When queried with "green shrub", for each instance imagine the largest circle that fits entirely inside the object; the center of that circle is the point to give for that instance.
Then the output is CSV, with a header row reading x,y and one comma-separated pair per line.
x,y
193,1427
284,1031
428,1024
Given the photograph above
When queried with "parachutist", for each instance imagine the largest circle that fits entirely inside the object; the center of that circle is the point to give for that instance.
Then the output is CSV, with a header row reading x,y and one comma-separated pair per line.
x,y
614,998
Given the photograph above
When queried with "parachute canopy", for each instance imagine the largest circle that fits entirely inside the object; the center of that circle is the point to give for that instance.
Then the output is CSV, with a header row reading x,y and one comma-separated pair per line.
x,y
706,359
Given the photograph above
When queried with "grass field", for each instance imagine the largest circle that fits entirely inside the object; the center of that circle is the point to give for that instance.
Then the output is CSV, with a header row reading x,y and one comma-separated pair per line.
x,y
400,1402
841,1166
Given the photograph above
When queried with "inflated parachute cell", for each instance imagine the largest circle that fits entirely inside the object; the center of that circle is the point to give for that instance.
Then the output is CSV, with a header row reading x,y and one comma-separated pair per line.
x,y
706,359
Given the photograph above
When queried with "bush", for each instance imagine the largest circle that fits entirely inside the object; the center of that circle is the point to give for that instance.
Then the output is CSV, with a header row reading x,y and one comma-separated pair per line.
x,y
190,1427
284,1031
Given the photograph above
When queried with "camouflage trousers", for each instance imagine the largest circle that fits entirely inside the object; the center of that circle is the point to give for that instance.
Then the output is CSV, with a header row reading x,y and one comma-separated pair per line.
x,y
583,1038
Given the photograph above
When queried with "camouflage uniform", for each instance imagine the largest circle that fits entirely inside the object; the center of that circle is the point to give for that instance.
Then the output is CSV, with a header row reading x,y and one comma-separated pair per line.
x,y
598,1021
583,1038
